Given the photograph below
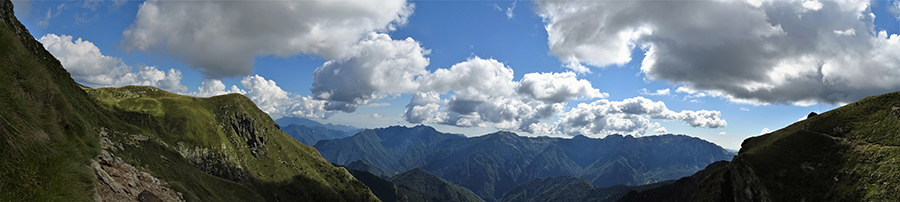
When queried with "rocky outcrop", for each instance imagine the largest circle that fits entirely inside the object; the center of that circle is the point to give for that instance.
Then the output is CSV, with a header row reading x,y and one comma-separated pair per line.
x,y
120,181
216,164
746,186
251,135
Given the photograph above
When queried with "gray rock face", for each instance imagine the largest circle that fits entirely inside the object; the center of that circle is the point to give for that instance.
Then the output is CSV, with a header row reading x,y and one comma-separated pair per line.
x,y
244,126
106,179
746,185
146,196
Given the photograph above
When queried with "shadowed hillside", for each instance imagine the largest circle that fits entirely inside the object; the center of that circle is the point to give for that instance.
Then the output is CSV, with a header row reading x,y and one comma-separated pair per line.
x,y
412,185
846,154
433,187
568,188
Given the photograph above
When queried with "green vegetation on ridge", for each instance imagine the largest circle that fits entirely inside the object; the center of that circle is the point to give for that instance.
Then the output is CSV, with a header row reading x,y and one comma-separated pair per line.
x,y
846,154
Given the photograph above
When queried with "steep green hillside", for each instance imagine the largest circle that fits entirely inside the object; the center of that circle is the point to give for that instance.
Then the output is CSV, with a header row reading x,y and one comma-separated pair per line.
x,y
52,132
46,121
433,187
228,137
847,154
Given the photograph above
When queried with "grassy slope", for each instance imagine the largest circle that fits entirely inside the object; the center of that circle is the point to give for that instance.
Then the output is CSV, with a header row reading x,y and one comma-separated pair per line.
x,y
847,154
49,131
45,122
203,129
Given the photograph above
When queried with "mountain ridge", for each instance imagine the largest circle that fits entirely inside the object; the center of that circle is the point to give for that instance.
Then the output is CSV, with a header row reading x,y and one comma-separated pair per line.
x,y
492,164
285,121
433,186
846,154
312,135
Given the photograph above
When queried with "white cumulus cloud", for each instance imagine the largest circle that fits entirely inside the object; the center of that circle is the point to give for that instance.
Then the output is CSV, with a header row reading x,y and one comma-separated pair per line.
x,y
425,107
630,116
278,103
557,87
485,94
661,130
213,87
222,38
475,79
377,66
88,66
757,52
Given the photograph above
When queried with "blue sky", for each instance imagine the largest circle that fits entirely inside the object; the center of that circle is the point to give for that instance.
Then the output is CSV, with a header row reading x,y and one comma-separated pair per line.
x,y
720,85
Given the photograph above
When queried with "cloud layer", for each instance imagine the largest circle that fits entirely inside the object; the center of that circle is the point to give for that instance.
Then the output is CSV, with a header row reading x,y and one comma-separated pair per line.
x,y
630,116
756,51
88,66
222,38
485,95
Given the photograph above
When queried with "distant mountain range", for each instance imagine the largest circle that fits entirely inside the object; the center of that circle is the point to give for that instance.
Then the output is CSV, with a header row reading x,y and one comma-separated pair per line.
x,y
286,121
391,150
310,132
311,135
493,164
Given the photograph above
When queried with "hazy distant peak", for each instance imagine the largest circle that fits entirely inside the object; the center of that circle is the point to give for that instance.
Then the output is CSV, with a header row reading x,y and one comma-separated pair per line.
x,y
286,121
